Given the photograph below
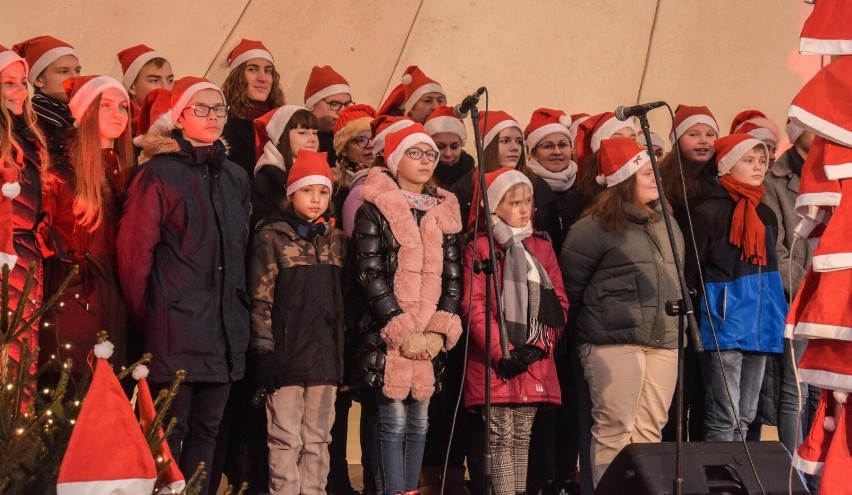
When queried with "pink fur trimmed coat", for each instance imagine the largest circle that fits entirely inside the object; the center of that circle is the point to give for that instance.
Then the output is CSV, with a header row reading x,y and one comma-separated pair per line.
x,y
412,278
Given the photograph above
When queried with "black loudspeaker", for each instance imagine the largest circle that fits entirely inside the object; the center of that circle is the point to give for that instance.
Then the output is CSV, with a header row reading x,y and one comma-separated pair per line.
x,y
708,468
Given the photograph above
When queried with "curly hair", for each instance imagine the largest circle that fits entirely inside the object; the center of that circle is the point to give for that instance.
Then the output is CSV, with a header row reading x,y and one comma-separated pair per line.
x,y
235,89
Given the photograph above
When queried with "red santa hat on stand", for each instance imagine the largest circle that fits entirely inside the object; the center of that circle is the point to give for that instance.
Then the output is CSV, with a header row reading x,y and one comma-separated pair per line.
x,y
309,168
268,129
398,142
106,415
546,121
619,158
823,104
133,59
443,119
154,114
687,116
827,31
417,84
499,182
384,125
755,123
42,51
247,50
492,122
172,479
323,82
83,90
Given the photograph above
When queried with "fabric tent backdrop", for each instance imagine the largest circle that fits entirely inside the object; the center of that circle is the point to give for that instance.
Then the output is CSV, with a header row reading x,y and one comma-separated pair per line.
x,y
575,55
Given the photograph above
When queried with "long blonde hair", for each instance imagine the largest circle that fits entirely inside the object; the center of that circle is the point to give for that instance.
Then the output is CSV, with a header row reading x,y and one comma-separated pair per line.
x,y
89,166
11,152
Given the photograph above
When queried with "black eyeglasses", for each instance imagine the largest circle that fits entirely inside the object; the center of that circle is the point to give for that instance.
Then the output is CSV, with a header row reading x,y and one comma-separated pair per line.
x,y
562,145
417,153
336,106
204,110
361,141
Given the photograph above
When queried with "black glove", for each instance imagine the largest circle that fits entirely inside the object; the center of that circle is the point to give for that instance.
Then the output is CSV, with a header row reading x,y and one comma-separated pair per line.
x,y
528,354
510,367
262,371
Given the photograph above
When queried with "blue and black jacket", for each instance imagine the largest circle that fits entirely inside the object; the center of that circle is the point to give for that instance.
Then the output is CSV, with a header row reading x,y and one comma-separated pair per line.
x,y
745,302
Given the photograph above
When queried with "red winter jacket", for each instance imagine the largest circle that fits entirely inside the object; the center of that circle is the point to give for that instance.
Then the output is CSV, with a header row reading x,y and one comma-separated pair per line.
x,y
540,384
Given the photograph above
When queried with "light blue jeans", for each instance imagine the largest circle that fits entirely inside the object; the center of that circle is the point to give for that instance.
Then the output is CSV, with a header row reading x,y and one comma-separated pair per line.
x,y
744,372
402,441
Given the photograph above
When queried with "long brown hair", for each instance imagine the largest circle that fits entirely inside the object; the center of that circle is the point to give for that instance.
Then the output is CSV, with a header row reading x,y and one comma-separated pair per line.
x,y
301,119
673,181
235,89
87,160
11,152
609,207
491,158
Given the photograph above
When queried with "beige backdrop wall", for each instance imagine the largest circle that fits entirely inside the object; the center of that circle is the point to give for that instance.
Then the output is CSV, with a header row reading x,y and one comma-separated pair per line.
x,y
578,55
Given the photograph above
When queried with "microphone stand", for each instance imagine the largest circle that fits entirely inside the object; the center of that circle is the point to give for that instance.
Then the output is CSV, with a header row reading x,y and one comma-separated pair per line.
x,y
489,267
683,309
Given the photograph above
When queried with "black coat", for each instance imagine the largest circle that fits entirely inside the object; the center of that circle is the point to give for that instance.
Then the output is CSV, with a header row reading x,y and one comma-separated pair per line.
x,y
181,259
268,190
447,175
239,134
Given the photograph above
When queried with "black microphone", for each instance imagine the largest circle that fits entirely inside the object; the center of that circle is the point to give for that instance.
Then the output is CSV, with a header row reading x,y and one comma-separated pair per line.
x,y
624,113
463,109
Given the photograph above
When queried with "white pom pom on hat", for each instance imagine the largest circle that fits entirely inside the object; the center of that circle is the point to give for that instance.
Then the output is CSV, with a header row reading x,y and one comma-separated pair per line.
x,y
140,371
104,349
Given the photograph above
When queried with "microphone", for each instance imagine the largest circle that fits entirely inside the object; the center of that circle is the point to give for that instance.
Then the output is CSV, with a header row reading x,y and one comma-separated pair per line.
x,y
624,113
463,109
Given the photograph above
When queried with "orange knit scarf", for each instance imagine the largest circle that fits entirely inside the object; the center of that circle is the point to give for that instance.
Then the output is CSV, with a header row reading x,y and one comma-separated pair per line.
x,y
747,230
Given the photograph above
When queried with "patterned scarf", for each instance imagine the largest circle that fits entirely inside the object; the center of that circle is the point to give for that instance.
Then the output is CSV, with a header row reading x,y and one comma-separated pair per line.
x,y
308,230
422,202
747,231
558,181
53,111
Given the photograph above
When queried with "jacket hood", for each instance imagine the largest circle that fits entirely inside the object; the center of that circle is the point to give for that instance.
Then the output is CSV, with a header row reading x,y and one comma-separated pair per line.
x,y
167,141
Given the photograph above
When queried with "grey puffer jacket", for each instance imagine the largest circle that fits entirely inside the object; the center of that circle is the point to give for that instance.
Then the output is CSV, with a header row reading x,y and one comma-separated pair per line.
x,y
618,284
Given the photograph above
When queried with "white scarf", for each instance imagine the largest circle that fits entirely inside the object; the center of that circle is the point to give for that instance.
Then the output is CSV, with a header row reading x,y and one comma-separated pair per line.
x,y
558,181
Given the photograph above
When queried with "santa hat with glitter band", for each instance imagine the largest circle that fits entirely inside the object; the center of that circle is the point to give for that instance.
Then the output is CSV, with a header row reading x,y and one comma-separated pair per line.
x,y
82,91
823,104
384,125
416,85
350,121
105,416
827,31
398,142
9,57
133,59
730,149
605,127
757,124
443,119
323,82
500,181
619,158
268,129
172,479
492,122
546,121
247,50
184,89
42,51
687,116
154,113
309,168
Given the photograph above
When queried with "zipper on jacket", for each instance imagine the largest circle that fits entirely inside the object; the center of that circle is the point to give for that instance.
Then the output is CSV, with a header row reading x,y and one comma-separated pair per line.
x,y
222,275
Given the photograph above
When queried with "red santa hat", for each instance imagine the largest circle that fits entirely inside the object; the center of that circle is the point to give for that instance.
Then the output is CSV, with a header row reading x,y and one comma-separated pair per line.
x,y
605,126
83,90
247,50
133,59
9,57
492,122
838,460
42,51
417,84
172,479
757,124
687,116
106,415
827,31
394,104
324,81
268,129
730,149
619,158
809,457
350,121
497,183
10,189
834,251
309,168
576,120
443,119
823,104
154,113
656,140
546,121
399,141
384,125
184,89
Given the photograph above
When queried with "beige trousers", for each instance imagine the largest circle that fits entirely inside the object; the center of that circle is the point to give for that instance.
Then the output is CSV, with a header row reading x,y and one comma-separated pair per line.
x,y
631,387
298,422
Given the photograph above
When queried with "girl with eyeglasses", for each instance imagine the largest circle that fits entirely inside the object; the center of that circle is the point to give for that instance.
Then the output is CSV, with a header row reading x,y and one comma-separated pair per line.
x,y
83,204
252,88
407,258
353,145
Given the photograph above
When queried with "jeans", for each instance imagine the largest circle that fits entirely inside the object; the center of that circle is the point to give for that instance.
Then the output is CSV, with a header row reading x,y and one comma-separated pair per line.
x,y
402,440
744,373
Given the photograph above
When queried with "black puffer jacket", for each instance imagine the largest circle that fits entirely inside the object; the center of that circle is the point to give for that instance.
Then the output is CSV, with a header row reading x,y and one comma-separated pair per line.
x,y
181,259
